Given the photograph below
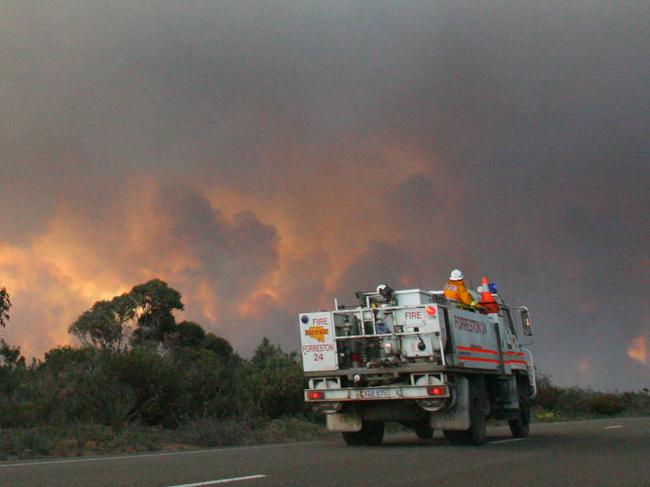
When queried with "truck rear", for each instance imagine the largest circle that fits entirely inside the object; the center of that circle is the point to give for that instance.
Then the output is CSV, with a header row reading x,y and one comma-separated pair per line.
x,y
413,357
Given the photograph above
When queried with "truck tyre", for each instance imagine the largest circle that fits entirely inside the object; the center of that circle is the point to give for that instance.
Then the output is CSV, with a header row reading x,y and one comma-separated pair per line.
x,y
424,431
520,426
453,436
475,434
353,438
371,434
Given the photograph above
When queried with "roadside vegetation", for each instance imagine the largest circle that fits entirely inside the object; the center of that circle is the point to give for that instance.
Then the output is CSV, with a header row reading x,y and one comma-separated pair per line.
x,y
555,403
140,381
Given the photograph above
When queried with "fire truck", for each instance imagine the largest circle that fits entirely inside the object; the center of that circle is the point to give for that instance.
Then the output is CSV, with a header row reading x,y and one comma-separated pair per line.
x,y
413,357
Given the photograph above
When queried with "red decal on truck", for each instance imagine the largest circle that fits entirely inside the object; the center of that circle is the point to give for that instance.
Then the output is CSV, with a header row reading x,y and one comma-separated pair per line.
x,y
317,332
478,350
516,362
518,354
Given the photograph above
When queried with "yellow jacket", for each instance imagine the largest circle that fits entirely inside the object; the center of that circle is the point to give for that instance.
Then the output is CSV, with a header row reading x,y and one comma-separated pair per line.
x,y
456,291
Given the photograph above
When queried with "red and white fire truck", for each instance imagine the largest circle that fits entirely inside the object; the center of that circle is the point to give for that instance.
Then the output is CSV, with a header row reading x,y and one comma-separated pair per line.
x,y
411,356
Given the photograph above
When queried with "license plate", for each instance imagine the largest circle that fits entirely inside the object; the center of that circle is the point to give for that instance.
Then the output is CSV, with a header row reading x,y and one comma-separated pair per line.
x,y
375,393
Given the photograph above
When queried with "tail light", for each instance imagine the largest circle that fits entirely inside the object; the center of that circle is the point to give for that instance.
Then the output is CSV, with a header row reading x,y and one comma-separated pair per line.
x,y
437,391
315,395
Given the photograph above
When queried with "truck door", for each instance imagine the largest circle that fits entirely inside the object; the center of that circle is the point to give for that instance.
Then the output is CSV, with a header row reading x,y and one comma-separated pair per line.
x,y
513,355
511,333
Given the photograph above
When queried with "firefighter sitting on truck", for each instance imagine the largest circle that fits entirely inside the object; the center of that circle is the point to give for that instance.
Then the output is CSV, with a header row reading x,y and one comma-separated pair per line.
x,y
455,289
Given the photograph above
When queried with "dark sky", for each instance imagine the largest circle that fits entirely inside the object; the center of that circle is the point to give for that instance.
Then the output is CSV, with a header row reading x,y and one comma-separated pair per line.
x,y
265,157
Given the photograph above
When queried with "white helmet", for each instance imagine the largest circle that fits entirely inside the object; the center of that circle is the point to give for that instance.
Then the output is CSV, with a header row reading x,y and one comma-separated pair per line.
x,y
456,275
381,287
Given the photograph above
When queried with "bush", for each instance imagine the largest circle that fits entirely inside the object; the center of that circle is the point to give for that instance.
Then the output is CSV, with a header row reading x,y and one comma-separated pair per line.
x,y
26,443
210,432
132,439
275,380
155,384
547,416
289,429
605,405
636,403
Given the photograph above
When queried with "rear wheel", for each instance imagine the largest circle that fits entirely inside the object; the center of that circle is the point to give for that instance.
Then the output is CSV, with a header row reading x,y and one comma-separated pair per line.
x,y
453,436
423,431
521,425
353,438
371,433
476,433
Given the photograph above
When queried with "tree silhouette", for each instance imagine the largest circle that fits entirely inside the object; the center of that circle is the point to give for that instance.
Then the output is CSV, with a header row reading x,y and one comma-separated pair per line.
x,y
5,304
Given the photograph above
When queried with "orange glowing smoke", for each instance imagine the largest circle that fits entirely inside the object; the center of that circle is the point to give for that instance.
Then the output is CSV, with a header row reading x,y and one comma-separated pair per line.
x,y
82,255
638,350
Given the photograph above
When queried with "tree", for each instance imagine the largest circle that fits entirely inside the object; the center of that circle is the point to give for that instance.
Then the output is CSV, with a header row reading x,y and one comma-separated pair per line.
x,y
104,325
145,313
192,335
5,304
154,302
189,334
10,356
220,346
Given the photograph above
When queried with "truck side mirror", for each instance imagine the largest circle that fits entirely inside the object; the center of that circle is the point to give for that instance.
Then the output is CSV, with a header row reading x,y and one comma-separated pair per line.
x,y
525,321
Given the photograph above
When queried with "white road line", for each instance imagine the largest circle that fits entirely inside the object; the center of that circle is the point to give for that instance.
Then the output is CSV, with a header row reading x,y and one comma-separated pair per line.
x,y
221,481
147,455
506,441
616,426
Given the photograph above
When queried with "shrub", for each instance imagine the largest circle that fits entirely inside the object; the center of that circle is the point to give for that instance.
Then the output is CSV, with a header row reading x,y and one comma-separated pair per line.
x,y
547,416
210,432
275,380
289,429
605,405
26,443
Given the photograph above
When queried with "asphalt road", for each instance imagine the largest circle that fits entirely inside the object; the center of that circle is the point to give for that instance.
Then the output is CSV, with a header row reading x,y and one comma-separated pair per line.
x,y
613,452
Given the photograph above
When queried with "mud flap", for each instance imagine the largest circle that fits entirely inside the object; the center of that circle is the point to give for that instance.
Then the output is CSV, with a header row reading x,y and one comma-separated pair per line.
x,y
344,422
456,418
513,399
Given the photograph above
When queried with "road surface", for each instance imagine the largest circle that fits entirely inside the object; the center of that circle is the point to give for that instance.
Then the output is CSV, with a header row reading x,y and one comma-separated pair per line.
x,y
613,452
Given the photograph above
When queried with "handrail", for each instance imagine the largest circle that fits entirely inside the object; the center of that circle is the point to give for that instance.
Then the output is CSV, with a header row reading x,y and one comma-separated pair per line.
x,y
531,372
382,335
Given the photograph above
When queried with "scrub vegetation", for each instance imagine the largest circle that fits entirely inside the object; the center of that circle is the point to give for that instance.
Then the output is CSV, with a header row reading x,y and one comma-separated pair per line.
x,y
554,403
141,381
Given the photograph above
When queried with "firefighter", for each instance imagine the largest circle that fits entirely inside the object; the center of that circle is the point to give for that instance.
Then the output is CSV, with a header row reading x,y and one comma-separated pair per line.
x,y
455,289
